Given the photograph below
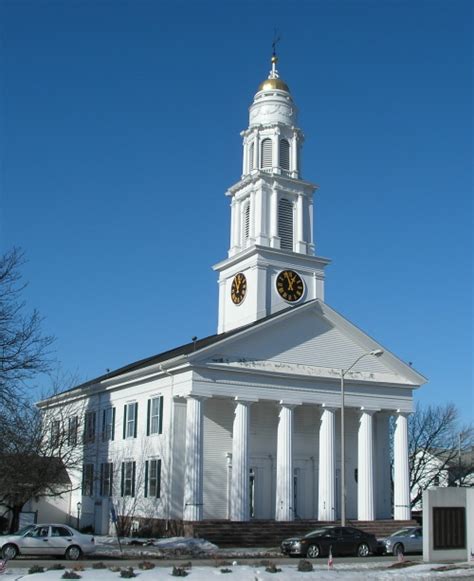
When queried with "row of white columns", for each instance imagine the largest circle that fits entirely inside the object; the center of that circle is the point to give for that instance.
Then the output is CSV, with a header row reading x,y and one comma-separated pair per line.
x,y
284,510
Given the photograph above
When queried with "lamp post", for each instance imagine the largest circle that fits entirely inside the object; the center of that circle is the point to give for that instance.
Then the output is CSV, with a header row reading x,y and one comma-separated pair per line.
x,y
79,506
374,353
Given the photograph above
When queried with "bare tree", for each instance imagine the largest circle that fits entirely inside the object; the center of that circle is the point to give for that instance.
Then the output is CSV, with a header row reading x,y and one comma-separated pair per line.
x,y
24,350
38,451
440,449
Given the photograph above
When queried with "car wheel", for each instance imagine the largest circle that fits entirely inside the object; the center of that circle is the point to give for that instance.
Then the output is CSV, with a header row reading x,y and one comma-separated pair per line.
x,y
73,553
9,552
363,550
398,549
313,552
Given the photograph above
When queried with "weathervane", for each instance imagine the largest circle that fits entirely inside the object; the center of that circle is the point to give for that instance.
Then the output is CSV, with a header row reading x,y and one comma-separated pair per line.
x,y
276,40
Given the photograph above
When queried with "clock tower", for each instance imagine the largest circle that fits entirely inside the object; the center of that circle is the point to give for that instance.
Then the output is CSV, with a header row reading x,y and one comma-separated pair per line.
x,y
271,262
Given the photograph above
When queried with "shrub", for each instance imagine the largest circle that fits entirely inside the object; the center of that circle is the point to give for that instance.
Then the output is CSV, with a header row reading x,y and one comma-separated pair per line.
x,y
146,566
305,566
127,573
87,530
226,570
272,568
99,565
35,569
70,575
179,572
56,567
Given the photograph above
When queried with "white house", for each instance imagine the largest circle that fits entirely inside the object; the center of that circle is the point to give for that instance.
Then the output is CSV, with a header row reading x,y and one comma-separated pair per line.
x,y
246,424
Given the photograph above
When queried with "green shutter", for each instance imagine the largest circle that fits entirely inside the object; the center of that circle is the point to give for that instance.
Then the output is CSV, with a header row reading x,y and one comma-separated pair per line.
x,y
134,464
103,425
146,478
160,430
158,484
102,470
136,421
124,421
148,410
122,483
113,423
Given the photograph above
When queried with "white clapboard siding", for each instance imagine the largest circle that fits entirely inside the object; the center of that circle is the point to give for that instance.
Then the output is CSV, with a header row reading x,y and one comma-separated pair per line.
x,y
306,339
218,424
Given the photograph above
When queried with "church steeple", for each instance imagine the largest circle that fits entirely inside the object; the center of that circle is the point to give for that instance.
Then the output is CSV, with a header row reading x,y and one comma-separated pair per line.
x,y
271,212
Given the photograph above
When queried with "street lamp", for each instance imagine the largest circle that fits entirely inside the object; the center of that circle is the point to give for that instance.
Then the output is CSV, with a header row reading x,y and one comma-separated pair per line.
x,y
374,353
79,506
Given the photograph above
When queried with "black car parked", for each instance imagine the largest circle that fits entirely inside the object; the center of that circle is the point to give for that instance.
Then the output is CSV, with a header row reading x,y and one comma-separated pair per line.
x,y
341,540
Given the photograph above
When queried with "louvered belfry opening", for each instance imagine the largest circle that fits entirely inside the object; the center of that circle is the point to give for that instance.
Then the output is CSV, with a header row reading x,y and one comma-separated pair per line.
x,y
246,222
284,154
285,224
266,153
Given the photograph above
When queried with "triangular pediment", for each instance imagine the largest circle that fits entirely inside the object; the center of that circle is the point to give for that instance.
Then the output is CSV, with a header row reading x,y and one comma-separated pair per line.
x,y
310,340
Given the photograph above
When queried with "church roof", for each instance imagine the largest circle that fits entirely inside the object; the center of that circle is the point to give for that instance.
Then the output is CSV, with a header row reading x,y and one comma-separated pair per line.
x,y
208,342
186,349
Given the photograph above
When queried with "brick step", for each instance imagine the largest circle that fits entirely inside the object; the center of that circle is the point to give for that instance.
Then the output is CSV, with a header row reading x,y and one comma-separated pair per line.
x,y
266,533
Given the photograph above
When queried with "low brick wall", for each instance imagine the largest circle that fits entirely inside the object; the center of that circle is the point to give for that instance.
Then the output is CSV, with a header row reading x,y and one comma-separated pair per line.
x,y
270,533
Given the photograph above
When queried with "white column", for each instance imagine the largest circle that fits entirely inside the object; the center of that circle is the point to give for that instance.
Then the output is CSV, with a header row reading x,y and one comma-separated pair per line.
x,y
276,151
300,241
239,503
284,469
245,164
253,216
193,489
311,227
274,240
327,466
294,157
233,238
365,470
256,151
401,475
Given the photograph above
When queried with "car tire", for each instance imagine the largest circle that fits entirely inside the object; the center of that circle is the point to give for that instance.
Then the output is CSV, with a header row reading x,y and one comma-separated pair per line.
x,y
313,552
398,549
9,552
73,553
363,550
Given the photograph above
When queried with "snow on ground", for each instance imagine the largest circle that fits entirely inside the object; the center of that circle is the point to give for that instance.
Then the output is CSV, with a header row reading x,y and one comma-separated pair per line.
x,y
258,573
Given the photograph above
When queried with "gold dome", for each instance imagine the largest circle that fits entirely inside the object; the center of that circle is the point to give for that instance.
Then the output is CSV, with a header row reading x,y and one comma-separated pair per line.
x,y
269,84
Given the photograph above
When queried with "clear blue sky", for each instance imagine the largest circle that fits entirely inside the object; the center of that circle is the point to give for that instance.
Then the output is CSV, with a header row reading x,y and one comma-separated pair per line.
x,y
120,130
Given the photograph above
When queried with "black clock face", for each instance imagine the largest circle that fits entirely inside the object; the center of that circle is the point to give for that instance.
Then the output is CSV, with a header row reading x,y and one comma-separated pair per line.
x,y
238,289
290,286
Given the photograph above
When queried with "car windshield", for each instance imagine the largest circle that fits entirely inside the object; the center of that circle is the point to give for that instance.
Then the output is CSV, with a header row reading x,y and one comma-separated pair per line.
x,y
402,533
24,530
317,532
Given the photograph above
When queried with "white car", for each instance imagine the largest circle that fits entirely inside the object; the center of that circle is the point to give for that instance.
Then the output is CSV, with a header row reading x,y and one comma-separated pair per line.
x,y
47,539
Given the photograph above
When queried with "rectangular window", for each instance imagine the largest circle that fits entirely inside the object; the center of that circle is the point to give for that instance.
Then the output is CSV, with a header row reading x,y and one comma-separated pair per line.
x,y
130,420
72,427
155,416
88,480
108,424
153,478
128,479
55,433
449,527
89,427
106,478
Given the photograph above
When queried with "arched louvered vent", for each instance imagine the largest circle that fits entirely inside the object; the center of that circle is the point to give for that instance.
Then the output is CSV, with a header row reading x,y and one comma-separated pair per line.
x,y
251,154
284,154
285,224
246,222
266,153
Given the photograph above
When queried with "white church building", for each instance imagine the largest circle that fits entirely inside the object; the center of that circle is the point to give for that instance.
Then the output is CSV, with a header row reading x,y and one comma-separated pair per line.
x,y
246,424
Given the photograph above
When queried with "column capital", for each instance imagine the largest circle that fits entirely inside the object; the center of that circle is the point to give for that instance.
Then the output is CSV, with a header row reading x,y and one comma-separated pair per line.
x,y
197,396
403,413
245,400
369,411
291,405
